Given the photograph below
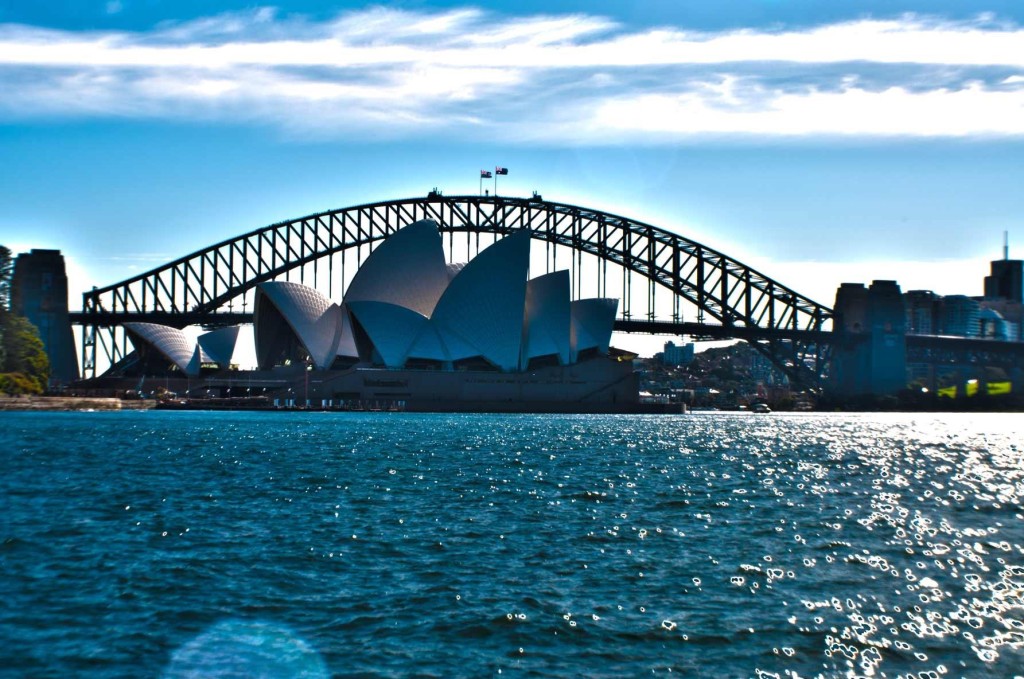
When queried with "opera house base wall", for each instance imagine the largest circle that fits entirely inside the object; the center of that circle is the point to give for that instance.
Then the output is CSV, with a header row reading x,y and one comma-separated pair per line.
x,y
596,385
599,385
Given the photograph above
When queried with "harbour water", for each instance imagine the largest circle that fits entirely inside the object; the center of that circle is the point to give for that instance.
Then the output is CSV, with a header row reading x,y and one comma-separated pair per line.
x,y
390,545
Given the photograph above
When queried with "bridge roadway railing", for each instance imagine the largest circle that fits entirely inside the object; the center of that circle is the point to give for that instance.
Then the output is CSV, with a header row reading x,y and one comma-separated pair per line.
x,y
948,350
721,289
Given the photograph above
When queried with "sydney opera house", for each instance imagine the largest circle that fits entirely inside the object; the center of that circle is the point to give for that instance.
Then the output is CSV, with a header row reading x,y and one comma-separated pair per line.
x,y
416,332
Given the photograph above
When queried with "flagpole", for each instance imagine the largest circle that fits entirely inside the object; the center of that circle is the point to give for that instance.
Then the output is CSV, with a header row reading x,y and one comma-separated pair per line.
x,y
495,182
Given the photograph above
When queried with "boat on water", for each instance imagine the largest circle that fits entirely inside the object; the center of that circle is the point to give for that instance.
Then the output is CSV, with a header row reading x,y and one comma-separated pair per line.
x,y
760,408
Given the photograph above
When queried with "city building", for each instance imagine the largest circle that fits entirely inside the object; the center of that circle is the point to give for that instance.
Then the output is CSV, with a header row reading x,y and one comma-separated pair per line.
x,y
959,315
1006,280
993,326
921,306
1011,312
677,354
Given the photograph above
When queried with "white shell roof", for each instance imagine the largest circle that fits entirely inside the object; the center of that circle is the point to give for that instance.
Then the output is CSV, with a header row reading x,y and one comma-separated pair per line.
x,y
484,304
456,348
171,343
592,323
315,320
428,344
219,345
403,299
391,328
548,317
407,269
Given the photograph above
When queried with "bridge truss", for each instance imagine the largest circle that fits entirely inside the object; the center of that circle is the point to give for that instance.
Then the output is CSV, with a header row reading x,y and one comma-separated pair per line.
x,y
607,255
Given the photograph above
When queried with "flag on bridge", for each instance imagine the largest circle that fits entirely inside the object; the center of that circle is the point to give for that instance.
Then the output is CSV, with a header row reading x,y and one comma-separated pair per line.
x,y
501,170
485,174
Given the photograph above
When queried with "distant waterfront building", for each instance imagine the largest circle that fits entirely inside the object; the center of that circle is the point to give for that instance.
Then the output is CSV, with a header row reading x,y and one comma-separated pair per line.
x,y
960,315
920,308
993,326
39,292
930,314
677,354
1012,313
764,371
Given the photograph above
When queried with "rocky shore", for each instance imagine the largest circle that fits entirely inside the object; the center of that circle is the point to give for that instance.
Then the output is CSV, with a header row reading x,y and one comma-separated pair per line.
x,y
71,403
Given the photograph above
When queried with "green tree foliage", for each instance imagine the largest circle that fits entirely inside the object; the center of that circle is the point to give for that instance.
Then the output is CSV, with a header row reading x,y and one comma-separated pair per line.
x,y
17,383
24,366
25,362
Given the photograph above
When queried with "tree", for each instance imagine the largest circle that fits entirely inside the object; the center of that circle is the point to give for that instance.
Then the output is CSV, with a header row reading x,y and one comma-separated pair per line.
x,y
24,365
24,352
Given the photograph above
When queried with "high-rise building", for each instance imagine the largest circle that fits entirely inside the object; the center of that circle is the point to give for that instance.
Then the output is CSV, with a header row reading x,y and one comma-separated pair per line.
x,y
1007,278
920,308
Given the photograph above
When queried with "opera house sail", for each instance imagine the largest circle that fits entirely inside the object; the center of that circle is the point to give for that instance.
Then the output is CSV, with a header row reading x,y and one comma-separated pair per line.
x,y
417,330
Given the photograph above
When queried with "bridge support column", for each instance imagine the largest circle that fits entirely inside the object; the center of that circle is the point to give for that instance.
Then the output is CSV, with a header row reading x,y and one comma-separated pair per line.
x,y
39,292
869,356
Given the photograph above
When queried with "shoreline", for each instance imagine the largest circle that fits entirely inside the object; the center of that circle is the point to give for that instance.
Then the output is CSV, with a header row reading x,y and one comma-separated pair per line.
x,y
97,403
71,403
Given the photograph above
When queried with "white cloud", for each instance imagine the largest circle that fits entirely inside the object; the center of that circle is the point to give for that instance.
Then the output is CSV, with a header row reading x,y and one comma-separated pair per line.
x,y
852,111
572,78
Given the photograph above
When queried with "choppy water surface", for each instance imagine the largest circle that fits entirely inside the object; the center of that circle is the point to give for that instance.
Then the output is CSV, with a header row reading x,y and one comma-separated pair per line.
x,y
191,544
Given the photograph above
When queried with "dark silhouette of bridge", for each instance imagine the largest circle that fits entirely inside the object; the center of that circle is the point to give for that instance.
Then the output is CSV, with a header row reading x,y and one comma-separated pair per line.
x,y
667,283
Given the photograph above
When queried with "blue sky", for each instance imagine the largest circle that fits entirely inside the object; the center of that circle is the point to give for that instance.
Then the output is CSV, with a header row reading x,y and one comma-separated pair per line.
x,y
820,142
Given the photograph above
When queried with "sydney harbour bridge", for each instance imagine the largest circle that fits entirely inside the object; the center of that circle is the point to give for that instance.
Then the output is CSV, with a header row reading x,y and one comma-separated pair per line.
x,y
666,283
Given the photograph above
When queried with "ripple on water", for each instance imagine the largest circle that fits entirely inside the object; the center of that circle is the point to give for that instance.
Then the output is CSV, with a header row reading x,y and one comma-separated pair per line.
x,y
391,544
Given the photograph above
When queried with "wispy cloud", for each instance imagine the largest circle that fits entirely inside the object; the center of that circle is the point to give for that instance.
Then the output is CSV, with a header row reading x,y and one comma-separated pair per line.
x,y
577,79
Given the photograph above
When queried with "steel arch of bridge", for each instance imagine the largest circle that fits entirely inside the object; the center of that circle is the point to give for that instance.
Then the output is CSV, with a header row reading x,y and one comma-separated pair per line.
x,y
741,302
